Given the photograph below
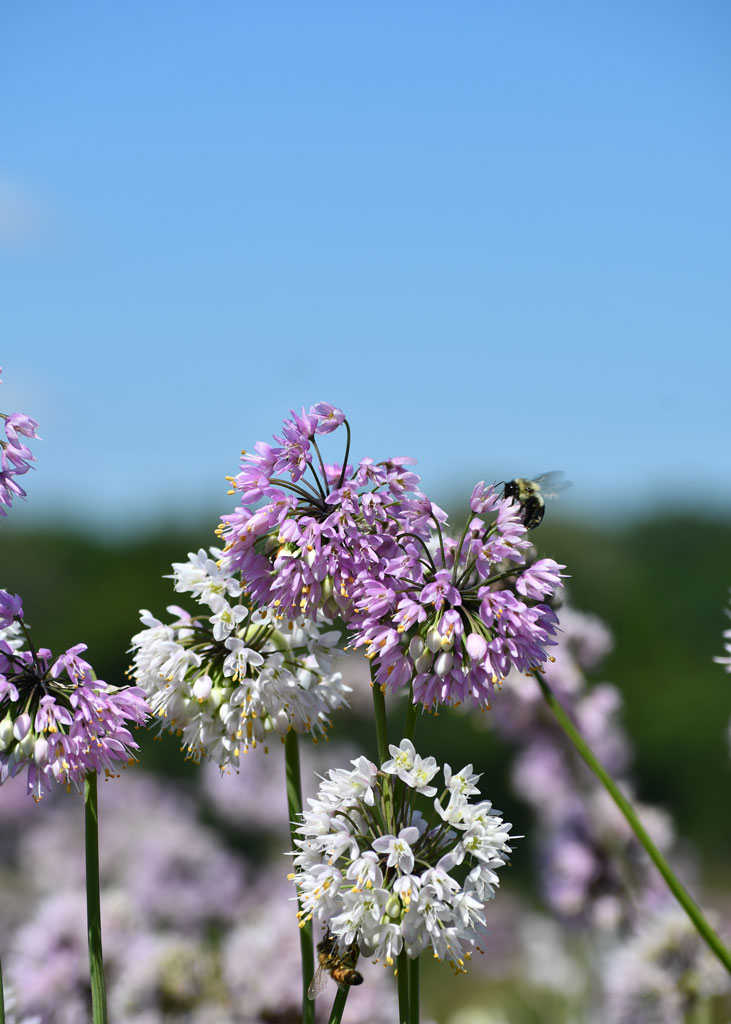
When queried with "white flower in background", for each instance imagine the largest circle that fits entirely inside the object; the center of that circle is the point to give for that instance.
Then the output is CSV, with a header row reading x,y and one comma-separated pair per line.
x,y
663,974
385,878
228,678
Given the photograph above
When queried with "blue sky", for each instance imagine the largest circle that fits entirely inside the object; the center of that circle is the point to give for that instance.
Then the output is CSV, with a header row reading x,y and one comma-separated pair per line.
x,y
497,234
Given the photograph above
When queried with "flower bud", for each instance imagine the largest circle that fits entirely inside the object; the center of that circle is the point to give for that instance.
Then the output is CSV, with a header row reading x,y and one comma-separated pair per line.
x,y
443,664
423,662
272,543
393,908
281,722
416,647
40,751
21,726
434,640
327,588
6,732
25,746
476,646
202,687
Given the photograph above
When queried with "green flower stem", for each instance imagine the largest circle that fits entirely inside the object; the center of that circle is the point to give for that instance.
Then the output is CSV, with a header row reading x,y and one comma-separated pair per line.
x,y
93,909
339,1004
294,805
414,991
411,716
402,977
379,708
673,883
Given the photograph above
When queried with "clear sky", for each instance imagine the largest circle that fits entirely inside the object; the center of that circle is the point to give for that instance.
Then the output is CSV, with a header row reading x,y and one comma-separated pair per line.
x,y
497,234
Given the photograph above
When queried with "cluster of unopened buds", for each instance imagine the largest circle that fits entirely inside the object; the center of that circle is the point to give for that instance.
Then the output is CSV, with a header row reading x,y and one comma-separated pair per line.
x,y
385,876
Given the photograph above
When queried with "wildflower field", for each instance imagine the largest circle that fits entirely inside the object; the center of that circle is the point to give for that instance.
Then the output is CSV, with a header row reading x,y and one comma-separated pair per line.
x,y
346,755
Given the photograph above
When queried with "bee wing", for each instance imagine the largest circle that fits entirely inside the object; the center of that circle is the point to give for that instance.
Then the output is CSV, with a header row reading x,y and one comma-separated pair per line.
x,y
318,983
552,484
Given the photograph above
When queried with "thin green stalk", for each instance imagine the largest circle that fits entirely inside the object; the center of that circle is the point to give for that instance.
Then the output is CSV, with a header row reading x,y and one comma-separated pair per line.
x,y
294,806
402,977
673,883
379,709
414,991
93,909
409,731
339,1004
2,998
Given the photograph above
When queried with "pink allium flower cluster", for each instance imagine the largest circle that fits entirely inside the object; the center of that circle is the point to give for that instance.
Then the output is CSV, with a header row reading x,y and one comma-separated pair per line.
x,y
57,721
456,616
306,529
363,543
15,455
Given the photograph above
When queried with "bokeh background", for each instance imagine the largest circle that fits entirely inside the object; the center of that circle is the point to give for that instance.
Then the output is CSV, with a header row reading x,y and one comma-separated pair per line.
x,y
497,235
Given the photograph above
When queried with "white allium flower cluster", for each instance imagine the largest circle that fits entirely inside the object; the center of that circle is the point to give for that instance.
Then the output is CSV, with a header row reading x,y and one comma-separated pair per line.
x,y
226,678
375,871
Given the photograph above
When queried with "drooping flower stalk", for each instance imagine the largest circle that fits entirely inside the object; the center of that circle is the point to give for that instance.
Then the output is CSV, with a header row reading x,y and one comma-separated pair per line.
x,y
93,909
672,881
294,806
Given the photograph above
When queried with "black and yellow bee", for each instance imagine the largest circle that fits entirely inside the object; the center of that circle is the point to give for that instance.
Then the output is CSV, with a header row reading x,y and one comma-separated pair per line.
x,y
340,966
532,494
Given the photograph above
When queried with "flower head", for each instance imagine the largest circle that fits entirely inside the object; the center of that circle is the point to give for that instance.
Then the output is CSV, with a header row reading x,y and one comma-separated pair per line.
x,y
457,615
15,455
57,721
307,529
389,880
227,678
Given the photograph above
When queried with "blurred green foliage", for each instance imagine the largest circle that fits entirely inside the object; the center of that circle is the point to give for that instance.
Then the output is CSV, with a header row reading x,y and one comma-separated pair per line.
x,y
660,584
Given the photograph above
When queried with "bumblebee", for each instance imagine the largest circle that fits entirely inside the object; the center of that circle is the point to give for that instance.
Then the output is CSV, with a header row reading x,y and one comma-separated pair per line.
x,y
531,495
340,966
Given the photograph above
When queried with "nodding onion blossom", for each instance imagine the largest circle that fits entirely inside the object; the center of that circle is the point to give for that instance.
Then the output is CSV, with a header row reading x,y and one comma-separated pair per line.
x,y
457,615
392,880
225,678
57,721
306,529
15,455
